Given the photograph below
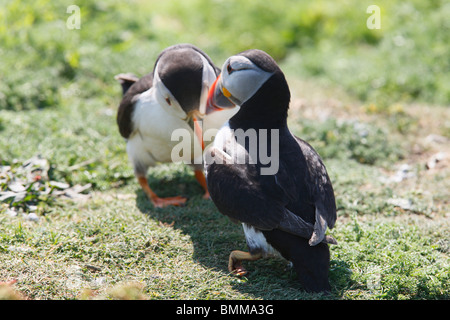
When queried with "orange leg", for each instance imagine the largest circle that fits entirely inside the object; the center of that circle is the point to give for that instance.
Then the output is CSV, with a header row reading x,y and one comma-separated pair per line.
x,y
200,176
157,201
235,261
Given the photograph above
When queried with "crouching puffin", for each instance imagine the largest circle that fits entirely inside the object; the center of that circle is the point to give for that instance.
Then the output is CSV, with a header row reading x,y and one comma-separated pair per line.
x,y
285,206
173,96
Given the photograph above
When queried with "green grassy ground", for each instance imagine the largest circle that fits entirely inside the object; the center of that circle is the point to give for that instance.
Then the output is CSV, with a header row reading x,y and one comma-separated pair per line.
x,y
374,103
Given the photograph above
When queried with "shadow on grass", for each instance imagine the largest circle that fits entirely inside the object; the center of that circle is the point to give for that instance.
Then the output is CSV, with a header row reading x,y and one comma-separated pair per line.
x,y
214,236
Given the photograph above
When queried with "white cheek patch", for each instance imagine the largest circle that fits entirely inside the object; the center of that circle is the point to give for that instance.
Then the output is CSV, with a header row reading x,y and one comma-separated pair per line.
x,y
244,83
247,84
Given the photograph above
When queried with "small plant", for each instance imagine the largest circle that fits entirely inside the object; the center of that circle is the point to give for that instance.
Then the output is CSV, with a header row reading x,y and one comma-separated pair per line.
x,y
355,140
26,186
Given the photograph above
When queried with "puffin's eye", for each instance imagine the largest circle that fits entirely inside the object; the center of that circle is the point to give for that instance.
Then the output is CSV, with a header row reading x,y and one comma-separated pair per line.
x,y
168,101
229,69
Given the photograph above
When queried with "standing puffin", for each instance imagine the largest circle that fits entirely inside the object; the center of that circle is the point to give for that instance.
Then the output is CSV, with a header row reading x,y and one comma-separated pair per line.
x,y
286,211
171,97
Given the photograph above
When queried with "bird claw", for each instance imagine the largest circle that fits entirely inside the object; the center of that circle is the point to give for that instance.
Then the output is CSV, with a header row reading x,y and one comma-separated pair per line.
x,y
236,268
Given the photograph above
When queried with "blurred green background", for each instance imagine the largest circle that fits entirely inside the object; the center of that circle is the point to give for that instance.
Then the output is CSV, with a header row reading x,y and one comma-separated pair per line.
x,y
407,59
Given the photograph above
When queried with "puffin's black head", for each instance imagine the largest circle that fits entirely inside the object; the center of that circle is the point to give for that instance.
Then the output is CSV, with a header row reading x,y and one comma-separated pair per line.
x,y
180,68
252,80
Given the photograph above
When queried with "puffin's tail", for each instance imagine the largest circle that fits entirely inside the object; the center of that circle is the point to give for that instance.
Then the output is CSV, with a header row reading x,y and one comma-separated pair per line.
x,y
126,80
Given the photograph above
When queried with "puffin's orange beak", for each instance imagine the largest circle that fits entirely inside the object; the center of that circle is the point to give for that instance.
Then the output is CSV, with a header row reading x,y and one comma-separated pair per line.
x,y
217,100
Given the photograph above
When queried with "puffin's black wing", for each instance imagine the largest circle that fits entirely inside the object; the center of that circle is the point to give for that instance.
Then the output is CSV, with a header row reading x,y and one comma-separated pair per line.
x,y
285,201
302,186
238,193
126,106
320,191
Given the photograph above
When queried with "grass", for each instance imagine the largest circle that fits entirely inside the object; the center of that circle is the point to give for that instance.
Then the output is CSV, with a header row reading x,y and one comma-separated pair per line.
x,y
365,111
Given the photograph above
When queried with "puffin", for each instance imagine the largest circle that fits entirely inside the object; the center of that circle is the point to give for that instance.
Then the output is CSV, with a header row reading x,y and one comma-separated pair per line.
x,y
260,175
171,97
